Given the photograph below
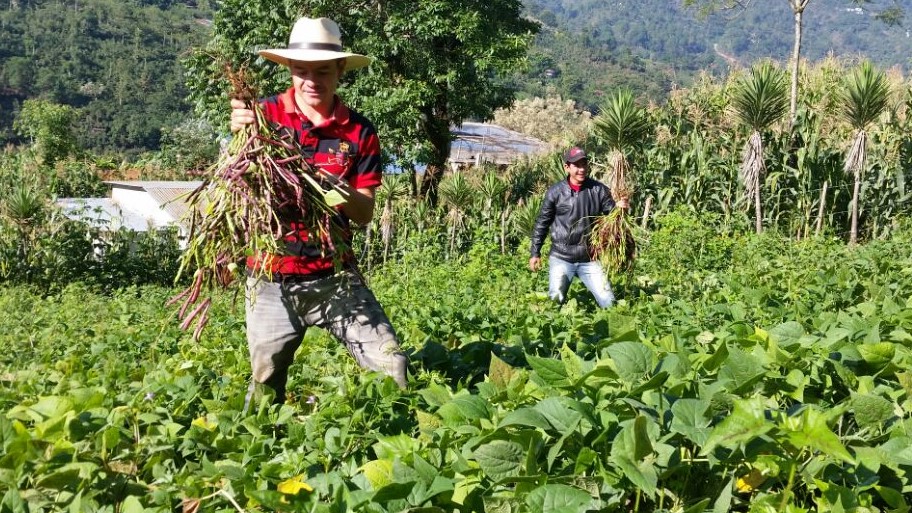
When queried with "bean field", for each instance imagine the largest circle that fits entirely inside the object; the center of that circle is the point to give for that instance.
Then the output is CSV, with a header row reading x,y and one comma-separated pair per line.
x,y
736,373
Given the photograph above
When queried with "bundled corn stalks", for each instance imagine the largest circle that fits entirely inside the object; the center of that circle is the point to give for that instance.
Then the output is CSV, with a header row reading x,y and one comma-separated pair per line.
x,y
244,206
611,240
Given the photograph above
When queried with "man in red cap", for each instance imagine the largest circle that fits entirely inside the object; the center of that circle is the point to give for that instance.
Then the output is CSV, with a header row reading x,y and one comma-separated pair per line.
x,y
568,211
302,287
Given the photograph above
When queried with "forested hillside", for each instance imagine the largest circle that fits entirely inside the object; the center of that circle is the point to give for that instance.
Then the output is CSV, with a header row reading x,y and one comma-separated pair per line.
x,y
116,61
654,45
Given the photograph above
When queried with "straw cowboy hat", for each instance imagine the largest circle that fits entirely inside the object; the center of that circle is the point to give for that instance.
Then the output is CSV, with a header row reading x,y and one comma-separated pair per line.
x,y
315,39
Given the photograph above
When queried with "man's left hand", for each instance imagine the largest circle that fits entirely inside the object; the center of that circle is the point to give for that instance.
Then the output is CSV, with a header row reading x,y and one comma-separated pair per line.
x,y
622,203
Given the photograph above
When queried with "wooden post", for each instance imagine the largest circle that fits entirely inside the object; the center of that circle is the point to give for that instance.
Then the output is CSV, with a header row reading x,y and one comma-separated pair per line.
x,y
820,209
646,212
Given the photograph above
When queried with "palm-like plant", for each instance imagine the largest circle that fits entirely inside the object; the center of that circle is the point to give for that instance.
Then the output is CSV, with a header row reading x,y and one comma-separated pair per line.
x,y
759,100
621,125
864,100
393,188
526,213
493,190
457,196
25,209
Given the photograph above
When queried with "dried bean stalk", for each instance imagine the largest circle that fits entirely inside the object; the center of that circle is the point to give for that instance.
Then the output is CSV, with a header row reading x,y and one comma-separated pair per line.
x,y
611,241
244,206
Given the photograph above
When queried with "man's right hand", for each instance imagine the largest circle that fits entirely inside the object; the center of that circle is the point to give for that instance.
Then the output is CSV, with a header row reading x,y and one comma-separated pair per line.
x,y
535,263
241,116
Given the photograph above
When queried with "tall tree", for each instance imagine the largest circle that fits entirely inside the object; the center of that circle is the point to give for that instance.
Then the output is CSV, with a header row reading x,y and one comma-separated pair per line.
x,y
759,101
864,100
436,63
891,16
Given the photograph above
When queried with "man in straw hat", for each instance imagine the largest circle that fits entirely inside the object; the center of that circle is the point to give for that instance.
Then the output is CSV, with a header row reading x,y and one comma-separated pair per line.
x,y
304,289
568,210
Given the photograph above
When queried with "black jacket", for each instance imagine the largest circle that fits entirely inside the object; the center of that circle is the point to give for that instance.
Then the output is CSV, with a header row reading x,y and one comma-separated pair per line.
x,y
569,215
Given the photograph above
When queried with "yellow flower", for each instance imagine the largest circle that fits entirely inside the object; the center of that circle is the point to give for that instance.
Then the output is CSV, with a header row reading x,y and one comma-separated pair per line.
x,y
294,486
204,423
750,481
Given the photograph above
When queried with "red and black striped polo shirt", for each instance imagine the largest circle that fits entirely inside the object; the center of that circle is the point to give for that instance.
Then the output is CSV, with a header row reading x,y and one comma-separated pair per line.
x,y
346,145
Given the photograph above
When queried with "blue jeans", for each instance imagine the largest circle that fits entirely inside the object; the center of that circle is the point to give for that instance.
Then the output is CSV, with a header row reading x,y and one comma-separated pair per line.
x,y
561,273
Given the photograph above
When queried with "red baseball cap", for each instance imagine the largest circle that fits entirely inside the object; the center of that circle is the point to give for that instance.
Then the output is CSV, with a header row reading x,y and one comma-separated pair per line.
x,y
574,154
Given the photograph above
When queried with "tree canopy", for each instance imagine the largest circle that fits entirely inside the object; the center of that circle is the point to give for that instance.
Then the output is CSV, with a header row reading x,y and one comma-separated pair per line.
x,y
435,63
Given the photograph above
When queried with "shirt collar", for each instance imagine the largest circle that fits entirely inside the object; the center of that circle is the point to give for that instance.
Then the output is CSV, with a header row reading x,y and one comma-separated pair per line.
x,y
341,113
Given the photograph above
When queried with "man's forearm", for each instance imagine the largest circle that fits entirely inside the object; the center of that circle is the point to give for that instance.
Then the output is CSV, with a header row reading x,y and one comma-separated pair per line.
x,y
359,205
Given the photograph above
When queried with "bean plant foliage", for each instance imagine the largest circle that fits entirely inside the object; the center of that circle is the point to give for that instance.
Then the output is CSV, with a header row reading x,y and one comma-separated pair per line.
x,y
773,379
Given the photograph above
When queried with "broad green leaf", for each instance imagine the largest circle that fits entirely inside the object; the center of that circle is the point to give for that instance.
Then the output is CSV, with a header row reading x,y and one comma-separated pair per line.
x,y
389,447
699,507
436,395
810,430
500,372
746,422
271,499
870,457
724,500
525,416
689,419
46,408
427,422
231,469
552,371
561,417
53,428
643,442
424,492
787,334
718,356
835,497
620,326
798,381
632,360
68,475
500,459
871,410
741,369
393,491
877,355
502,505
893,498
573,364
379,473
643,474
464,409
334,198
632,451
558,498
132,505
654,383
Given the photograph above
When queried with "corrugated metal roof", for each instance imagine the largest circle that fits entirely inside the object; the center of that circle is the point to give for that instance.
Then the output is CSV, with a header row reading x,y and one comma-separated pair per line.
x,y
103,213
172,199
493,143
167,194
